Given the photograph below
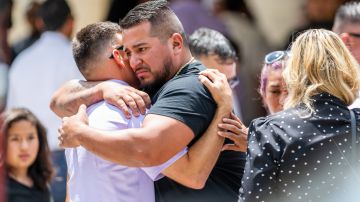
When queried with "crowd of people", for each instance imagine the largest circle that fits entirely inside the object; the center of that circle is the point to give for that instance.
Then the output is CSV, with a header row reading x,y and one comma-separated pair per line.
x,y
152,109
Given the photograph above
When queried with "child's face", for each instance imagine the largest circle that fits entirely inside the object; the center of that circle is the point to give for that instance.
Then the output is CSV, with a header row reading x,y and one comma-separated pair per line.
x,y
22,145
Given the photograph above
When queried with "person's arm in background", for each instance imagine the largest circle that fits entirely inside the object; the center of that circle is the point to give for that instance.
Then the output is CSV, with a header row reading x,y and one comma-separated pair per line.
x,y
194,168
67,100
233,129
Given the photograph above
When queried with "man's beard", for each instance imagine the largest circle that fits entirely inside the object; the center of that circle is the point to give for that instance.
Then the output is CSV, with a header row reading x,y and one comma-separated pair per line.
x,y
159,79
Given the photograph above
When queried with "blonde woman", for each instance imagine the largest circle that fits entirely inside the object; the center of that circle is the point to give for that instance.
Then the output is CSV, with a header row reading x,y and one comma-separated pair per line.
x,y
304,151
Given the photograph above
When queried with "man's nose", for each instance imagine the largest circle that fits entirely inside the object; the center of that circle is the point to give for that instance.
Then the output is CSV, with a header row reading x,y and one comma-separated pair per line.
x,y
135,61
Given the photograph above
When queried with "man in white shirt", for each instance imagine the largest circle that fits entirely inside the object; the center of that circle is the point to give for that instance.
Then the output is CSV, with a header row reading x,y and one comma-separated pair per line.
x,y
347,25
41,69
91,178
98,53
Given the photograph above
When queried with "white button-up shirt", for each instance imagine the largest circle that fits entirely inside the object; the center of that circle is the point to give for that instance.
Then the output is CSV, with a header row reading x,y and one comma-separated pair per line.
x,y
37,73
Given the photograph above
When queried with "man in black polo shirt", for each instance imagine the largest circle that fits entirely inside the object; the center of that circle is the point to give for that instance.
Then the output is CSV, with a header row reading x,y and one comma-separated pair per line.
x,y
156,47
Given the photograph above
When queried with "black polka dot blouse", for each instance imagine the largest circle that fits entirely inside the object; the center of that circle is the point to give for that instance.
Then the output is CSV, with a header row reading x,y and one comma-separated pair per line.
x,y
295,155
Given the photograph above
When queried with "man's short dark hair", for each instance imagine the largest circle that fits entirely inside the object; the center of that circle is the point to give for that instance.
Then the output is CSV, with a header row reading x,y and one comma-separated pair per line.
x,y
89,43
348,13
54,13
206,41
163,20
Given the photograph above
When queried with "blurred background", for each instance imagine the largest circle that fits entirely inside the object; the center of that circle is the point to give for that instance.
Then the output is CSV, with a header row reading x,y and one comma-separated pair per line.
x,y
275,18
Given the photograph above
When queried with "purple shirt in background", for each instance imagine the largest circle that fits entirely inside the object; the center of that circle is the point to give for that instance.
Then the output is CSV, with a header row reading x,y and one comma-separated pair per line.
x,y
194,15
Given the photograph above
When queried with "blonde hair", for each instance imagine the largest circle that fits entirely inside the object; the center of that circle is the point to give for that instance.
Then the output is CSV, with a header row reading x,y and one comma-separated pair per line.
x,y
320,63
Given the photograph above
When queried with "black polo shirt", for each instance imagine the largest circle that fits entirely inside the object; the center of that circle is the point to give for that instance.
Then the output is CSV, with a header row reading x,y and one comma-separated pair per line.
x,y
186,99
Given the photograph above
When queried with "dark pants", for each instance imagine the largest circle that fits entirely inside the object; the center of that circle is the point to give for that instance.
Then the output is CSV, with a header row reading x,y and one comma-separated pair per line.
x,y
58,184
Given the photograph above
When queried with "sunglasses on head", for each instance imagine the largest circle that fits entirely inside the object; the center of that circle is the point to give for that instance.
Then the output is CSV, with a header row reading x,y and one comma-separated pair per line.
x,y
275,56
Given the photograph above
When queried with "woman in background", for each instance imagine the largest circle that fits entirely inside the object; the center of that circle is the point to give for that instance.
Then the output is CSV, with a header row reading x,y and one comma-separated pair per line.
x,y
27,157
304,152
272,87
273,93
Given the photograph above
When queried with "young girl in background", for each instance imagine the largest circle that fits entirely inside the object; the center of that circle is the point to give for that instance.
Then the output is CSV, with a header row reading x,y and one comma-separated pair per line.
x,y
27,159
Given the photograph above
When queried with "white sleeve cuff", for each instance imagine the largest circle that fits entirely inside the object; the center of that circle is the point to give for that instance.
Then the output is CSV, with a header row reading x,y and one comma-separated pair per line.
x,y
155,172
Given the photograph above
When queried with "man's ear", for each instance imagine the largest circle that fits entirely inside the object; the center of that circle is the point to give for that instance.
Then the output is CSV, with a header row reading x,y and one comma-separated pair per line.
x,y
118,58
177,42
346,38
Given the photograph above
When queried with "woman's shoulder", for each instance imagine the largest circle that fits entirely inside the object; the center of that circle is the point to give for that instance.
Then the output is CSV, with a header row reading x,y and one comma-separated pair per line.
x,y
276,120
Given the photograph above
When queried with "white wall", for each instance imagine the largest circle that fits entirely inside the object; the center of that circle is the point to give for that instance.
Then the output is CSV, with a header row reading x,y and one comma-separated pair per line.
x,y
276,18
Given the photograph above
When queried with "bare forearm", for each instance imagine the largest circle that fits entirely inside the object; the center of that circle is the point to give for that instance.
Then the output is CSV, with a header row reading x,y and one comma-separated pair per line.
x,y
194,168
66,100
157,141
125,147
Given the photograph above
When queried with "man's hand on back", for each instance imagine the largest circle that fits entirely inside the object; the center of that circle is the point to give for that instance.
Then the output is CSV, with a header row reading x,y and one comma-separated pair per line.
x,y
125,97
232,127
219,88
69,130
